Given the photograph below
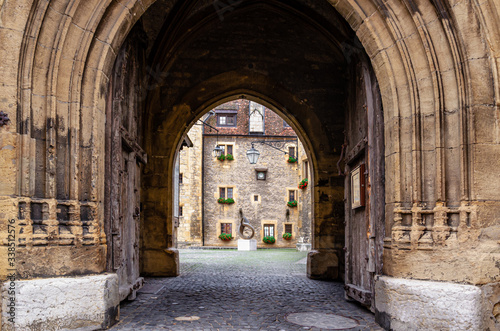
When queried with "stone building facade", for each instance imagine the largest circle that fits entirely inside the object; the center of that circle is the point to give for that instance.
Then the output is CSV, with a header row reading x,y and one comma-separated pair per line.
x,y
263,201
190,183
396,101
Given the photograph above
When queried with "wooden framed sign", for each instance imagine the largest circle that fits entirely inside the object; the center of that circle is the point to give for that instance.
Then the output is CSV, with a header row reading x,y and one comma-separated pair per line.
x,y
358,186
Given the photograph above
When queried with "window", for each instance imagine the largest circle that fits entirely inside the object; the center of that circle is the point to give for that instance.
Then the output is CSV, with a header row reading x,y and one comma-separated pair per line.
x,y
269,230
224,190
292,196
226,120
180,178
228,149
288,228
226,228
291,151
256,122
255,198
305,169
180,211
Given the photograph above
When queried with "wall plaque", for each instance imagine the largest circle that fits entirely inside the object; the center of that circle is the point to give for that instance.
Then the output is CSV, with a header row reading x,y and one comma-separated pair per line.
x,y
358,187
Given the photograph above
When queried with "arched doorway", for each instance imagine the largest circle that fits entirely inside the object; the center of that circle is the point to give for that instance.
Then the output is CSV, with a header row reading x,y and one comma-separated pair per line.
x,y
323,85
436,65
272,191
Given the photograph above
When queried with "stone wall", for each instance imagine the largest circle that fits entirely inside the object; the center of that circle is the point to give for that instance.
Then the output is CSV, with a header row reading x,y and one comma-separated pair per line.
x,y
437,67
189,232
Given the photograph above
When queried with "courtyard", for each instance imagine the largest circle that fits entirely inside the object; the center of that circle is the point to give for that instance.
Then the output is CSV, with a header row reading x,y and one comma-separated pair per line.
x,y
231,290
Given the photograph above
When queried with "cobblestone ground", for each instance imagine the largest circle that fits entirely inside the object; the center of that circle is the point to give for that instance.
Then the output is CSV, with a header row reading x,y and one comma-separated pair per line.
x,y
231,290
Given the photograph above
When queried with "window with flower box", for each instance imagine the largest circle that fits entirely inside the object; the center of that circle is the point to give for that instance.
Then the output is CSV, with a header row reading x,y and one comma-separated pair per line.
x,y
226,228
225,192
226,195
268,230
292,198
227,154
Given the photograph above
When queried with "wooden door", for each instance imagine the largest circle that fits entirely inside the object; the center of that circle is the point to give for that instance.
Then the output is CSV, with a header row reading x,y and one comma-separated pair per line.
x,y
125,159
125,220
364,188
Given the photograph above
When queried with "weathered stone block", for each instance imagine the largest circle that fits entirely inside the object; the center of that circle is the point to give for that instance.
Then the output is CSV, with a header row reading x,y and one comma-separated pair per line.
x,y
83,303
405,304
491,302
8,163
160,263
322,265
487,161
61,260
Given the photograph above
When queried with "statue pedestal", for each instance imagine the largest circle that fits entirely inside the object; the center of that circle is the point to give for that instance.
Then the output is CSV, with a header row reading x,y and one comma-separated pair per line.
x,y
247,244
303,247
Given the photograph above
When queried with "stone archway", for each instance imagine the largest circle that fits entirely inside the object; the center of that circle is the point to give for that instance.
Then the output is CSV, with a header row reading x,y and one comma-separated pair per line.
x,y
198,222
437,66
319,116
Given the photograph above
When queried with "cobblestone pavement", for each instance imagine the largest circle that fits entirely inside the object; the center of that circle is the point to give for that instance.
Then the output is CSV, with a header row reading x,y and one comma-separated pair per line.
x,y
231,290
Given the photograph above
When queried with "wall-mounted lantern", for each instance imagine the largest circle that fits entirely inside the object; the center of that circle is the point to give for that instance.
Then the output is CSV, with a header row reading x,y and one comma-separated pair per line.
x,y
253,155
218,151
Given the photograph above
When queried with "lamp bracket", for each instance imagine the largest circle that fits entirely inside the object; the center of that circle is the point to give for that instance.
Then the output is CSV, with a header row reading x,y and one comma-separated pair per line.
x,y
276,144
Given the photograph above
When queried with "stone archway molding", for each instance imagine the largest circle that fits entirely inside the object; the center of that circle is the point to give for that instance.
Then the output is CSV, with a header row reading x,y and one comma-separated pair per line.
x,y
437,66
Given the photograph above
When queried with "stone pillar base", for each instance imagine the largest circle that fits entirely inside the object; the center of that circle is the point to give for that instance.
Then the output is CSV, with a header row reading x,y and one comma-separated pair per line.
x,y
322,265
406,304
160,263
247,244
83,303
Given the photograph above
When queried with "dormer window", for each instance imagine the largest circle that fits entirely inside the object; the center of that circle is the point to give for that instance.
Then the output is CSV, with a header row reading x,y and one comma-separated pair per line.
x,y
256,123
226,117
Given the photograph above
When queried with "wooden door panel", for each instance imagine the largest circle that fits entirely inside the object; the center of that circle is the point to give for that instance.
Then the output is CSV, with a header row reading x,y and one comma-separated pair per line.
x,y
364,229
126,157
358,277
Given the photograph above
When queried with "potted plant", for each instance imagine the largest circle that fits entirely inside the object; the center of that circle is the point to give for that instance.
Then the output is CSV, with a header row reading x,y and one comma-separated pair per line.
x,y
222,157
287,236
303,183
229,157
292,203
225,236
269,239
291,159
225,201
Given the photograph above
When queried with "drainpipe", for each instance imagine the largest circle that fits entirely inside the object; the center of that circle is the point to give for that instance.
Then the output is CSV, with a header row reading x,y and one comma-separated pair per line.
x,y
203,187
